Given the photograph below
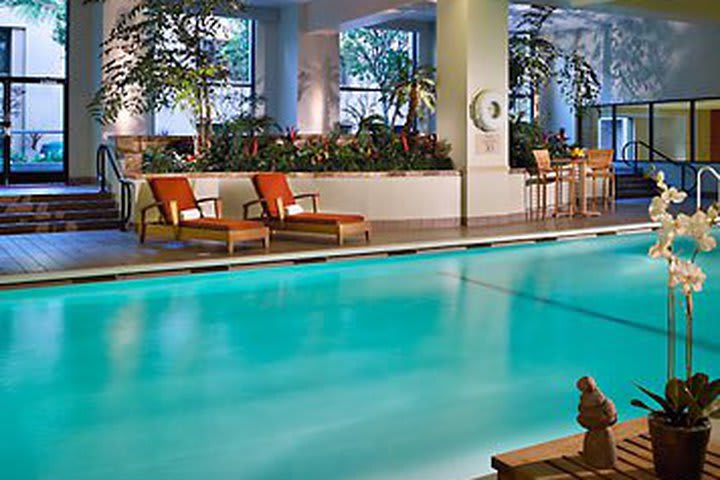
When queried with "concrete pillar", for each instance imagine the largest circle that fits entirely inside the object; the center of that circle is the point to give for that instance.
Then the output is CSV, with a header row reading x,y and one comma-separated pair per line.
x,y
472,37
84,38
277,64
318,82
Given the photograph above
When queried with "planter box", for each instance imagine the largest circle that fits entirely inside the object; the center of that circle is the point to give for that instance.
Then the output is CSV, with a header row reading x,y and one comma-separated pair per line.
x,y
389,199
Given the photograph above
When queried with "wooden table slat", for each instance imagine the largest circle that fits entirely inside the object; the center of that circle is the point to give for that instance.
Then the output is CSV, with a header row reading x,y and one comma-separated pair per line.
x,y
577,471
561,459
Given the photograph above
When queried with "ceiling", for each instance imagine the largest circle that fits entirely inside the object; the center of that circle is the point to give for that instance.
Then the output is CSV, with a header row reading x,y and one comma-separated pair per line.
x,y
690,10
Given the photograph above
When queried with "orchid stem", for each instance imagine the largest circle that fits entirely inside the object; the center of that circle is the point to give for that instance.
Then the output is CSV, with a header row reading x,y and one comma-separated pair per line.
x,y
689,307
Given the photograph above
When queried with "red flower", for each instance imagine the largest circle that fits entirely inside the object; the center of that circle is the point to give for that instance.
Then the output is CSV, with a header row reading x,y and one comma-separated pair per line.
x,y
405,143
191,159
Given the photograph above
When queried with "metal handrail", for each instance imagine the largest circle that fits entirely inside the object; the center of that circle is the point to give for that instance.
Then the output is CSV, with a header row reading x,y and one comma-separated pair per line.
x,y
699,179
665,158
105,156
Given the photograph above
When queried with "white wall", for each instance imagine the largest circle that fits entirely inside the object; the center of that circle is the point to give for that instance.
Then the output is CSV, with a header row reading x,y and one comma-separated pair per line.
x,y
381,198
638,59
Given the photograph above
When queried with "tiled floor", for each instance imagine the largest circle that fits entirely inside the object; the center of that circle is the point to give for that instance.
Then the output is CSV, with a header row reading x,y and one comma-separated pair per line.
x,y
63,252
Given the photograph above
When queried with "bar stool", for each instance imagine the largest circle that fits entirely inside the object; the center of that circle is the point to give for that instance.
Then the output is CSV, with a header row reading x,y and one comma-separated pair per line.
x,y
543,176
600,163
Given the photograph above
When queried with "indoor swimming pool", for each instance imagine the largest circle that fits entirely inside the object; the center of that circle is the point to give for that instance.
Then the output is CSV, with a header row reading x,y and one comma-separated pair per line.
x,y
415,367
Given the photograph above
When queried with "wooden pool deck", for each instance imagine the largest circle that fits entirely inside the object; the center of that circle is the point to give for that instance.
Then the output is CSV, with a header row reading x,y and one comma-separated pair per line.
x,y
84,256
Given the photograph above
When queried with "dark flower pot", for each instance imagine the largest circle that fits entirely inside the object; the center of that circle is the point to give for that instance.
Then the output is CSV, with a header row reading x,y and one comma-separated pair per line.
x,y
679,453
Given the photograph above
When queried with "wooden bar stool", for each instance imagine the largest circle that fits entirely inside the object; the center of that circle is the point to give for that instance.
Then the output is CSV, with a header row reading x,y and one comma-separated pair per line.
x,y
600,163
546,174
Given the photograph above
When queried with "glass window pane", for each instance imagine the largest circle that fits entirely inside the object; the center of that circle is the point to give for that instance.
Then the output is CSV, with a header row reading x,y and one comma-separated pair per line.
x,y
633,134
707,131
37,116
37,36
671,129
5,51
370,57
233,45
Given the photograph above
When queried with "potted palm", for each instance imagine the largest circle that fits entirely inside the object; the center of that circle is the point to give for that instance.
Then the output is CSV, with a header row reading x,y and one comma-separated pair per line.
x,y
680,428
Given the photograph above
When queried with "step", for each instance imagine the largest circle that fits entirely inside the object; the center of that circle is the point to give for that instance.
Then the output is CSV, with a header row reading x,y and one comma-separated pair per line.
x,y
68,215
49,198
54,227
56,206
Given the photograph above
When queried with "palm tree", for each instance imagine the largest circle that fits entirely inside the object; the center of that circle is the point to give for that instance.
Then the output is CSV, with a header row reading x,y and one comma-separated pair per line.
x,y
416,89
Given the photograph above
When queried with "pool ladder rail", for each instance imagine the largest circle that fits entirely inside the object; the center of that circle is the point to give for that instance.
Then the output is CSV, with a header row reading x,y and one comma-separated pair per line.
x,y
702,173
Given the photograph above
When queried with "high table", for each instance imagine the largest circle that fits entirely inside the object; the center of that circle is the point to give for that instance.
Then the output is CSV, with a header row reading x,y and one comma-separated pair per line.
x,y
580,170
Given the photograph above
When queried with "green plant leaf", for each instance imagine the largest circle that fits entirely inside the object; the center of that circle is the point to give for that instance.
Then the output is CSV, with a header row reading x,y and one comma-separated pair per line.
x,y
641,404
666,406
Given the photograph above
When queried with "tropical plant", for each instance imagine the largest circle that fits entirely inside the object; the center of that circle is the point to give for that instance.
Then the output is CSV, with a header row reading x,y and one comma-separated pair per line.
x,y
374,58
685,403
535,60
414,90
251,144
684,273
53,10
160,55
524,138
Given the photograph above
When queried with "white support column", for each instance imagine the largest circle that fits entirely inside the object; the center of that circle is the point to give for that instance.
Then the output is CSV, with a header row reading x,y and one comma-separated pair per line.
x,y
83,78
318,82
472,56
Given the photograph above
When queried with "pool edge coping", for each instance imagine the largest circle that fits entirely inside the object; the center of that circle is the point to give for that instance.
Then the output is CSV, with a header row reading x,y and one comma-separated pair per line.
x,y
268,260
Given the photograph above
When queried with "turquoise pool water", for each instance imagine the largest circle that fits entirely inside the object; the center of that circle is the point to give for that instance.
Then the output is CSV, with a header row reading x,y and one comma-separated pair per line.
x,y
419,367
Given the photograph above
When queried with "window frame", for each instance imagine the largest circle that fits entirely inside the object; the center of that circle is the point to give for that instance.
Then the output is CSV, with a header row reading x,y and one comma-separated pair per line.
x,y
415,60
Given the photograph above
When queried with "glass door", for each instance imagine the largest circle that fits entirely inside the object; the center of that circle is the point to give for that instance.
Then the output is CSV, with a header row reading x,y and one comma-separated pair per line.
x,y
36,150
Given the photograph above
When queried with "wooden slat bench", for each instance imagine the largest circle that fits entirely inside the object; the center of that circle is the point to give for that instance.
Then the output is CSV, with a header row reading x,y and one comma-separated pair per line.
x,y
561,459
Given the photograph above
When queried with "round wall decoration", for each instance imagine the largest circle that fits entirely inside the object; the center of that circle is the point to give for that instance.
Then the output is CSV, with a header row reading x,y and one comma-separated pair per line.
x,y
486,110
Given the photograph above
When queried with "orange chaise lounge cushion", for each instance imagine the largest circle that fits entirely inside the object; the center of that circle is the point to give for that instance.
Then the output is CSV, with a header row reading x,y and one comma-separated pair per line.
x,y
221,224
324,218
270,187
169,189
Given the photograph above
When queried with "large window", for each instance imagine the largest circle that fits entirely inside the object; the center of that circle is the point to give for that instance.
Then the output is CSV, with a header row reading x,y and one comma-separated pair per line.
x,y
680,130
370,62
234,45
33,69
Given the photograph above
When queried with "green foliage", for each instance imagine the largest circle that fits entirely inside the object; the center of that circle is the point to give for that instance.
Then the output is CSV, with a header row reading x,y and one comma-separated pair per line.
x,y
685,403
247,144
535,60
177,157
416,89
54,10
524,138
236,51
376,58
161,54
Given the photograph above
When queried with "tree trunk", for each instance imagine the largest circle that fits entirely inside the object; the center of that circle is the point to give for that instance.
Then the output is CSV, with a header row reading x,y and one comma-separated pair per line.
x,y
413,104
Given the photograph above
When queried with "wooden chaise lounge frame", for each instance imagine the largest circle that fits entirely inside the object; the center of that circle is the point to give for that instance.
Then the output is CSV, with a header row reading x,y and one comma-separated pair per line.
x,y
171,225
343,227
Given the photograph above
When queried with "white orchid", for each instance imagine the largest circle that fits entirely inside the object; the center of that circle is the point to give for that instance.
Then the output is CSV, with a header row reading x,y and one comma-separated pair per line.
x,y
699,227
683,274
659,210
673,195
686,275
666,237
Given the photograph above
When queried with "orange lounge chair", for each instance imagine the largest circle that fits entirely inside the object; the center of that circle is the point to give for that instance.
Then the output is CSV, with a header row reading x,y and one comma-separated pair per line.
x,y
182,218
277,201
